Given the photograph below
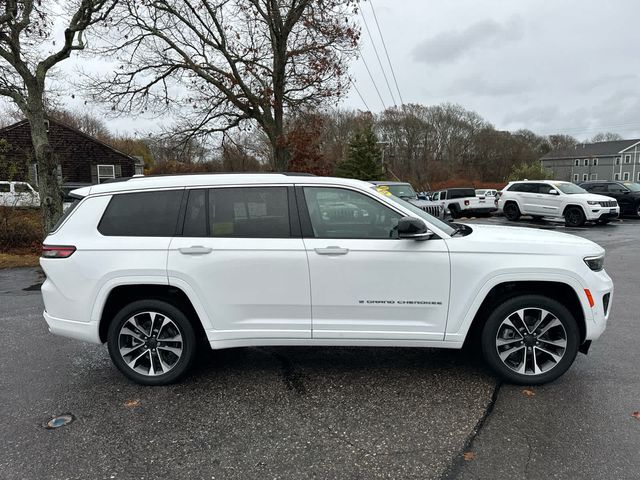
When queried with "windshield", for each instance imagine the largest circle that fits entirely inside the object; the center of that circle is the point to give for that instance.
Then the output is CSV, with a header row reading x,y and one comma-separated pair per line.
x,y
569,188
403,190
444,226
634,187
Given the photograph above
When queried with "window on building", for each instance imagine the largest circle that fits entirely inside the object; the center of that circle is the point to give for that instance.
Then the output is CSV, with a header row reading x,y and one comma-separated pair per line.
x,y
594,176
586,162
585,177
617,160
616,176
627,159
595,162
576,177
577,163
625,176
106,172
639,176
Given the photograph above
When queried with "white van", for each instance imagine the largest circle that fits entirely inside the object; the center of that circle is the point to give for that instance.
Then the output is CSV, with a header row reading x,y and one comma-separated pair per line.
x,y
18,194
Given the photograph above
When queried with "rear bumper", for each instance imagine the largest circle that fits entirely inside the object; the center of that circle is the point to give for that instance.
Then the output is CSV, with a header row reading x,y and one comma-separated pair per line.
x,y
72,329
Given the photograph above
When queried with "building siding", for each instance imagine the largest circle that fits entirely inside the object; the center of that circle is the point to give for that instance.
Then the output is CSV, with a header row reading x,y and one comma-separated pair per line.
x,y
76,153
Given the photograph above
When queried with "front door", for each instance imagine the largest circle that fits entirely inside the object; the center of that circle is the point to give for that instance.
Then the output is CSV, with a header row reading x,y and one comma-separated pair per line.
x,y
366,284
241,255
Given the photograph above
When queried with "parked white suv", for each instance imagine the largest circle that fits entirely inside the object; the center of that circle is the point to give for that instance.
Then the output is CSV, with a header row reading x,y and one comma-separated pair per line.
x,y
152,266
544,198
18,194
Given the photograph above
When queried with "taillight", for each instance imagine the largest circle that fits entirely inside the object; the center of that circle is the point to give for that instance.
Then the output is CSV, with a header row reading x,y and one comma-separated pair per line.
x,y
466,203
57,251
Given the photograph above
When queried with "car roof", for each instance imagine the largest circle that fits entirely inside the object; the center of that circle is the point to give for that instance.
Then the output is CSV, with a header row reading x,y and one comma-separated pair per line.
x,y
215,179
376,182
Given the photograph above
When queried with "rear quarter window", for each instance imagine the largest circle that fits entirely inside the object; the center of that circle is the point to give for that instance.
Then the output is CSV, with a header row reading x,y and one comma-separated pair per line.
x,y
461,193
142,214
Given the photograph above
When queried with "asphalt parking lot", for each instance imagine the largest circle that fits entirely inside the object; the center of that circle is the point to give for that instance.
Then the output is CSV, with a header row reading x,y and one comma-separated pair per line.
x,y
321,412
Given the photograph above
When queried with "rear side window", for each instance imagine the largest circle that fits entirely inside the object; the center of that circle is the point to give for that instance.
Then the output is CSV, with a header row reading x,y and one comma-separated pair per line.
x,y
144,214
524,187
5,188
246,212
461,193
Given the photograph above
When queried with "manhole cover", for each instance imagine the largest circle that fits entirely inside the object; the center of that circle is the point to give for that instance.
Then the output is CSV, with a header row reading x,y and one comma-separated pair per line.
x,y
59,421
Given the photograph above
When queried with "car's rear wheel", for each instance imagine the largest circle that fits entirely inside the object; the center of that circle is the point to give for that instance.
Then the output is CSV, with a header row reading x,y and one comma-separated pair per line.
x,y
574,217
151,342
454,210
530,340
511,211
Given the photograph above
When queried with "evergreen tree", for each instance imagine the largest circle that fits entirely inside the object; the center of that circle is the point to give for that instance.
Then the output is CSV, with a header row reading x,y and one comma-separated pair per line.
x,y
364,160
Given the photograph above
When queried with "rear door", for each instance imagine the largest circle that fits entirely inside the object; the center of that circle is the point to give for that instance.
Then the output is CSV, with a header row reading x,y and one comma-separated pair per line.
x,y
241,255
365,283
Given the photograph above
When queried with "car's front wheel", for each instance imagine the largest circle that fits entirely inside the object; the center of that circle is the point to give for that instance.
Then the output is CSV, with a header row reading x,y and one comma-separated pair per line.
x,y
511,211
530,340
151,342
574,217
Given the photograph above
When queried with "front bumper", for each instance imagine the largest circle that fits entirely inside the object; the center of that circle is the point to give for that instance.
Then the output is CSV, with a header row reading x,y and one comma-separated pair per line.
x,y
72,329
601,288
602,213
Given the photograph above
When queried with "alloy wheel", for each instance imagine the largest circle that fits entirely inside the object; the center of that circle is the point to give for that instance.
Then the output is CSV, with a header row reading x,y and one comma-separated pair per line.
x,y
531,341
150,343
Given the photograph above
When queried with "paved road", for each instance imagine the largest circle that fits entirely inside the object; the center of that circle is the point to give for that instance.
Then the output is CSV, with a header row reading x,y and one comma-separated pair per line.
x,y
244,413
581,425
319,412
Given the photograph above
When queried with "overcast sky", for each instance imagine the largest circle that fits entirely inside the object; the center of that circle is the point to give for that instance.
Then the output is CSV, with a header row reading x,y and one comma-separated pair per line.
x,y
568,66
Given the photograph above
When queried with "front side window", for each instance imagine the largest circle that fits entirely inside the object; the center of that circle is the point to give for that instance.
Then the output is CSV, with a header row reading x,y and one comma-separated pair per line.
x,y
22,188
243,212
143,214
342,213
106,172
615,188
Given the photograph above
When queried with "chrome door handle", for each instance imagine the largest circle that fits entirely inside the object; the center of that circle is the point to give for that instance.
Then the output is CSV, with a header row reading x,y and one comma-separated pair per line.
x,y
333,250
195,250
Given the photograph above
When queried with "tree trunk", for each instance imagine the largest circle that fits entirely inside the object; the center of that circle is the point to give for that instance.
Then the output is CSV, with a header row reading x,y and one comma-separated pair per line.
x,y
48,182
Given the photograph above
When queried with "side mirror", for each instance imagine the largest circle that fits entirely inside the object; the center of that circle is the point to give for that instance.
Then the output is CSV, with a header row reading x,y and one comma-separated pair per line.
x,y
412,228
422,197
553,191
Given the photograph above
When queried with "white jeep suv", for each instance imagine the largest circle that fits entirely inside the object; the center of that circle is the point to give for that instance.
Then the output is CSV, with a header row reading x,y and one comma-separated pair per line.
x,y
153,266
544,198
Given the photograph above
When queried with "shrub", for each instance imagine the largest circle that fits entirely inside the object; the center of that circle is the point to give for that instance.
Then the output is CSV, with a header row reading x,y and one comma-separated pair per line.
x,y
20,229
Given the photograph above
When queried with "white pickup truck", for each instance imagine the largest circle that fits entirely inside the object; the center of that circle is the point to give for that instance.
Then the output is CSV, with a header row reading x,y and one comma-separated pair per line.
x,y
463,202
18,195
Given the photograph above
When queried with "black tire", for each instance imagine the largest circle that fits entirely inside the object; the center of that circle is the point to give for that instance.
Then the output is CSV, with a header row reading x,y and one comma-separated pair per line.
x,y
574,217
454,210
187,343
495,326
637,210
511,211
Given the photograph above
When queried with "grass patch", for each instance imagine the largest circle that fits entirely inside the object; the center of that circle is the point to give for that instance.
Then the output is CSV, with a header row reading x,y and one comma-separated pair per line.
x,y
16,260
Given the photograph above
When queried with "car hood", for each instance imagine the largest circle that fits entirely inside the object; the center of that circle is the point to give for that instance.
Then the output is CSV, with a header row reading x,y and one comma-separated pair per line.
x,y
421,203
590,197
500,239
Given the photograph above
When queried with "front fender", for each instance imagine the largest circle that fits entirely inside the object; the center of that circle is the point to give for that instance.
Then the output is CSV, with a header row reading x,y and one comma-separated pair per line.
x,y
457,328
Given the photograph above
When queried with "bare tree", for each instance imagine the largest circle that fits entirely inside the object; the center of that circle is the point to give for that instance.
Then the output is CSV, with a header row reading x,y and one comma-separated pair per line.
x,y
605,137
25,68
230,62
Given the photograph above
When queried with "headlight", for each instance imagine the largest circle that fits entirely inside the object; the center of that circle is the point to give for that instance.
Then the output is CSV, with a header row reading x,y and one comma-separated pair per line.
x,y
595,263
593,203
